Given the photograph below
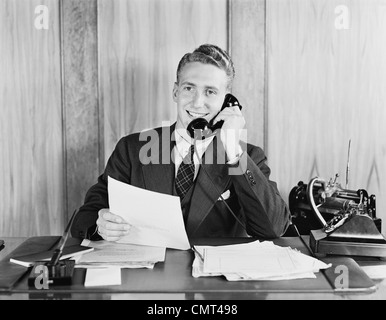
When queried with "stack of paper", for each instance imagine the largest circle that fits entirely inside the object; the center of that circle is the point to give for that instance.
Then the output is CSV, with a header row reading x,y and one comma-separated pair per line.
x,y
254,261
110,254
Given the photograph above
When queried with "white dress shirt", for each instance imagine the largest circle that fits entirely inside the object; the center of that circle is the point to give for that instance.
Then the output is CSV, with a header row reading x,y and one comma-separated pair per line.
x,y
182,149
183,144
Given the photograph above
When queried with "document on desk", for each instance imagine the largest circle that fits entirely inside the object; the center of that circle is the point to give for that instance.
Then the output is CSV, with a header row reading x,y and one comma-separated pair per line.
x,y
111,254
255,261
156,218
98,277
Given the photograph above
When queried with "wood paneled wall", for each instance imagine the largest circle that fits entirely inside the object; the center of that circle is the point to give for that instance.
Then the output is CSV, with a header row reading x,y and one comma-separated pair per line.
x,y
247,48
83,147
326,85
31,148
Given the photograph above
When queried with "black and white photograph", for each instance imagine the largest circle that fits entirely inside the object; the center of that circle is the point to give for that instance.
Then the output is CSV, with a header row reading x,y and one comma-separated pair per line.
x,y
192,156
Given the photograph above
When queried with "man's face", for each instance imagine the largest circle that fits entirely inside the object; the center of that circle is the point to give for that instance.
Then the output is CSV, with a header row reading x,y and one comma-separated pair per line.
x,y
200,92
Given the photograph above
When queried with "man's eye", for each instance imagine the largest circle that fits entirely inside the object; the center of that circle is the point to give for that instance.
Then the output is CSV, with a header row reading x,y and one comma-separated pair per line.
x,y
211,92
188,88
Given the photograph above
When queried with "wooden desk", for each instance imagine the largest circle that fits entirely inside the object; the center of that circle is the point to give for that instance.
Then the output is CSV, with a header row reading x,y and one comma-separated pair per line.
x,y
173,280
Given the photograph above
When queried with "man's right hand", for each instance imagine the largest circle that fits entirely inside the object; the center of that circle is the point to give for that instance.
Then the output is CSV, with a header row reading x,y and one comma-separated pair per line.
x,y
111,227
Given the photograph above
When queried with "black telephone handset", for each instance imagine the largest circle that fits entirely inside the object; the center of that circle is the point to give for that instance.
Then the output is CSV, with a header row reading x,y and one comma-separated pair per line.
x,y
202,129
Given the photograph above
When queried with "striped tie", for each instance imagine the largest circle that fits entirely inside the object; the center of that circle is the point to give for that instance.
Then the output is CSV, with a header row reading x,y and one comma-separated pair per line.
x,y
185,174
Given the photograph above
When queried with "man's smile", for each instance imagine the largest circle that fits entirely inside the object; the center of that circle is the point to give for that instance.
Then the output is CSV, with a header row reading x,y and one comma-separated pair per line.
x,y
194,115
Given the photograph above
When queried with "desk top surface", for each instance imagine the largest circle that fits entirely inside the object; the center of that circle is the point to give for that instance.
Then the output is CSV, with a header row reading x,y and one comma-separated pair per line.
x,y
173,279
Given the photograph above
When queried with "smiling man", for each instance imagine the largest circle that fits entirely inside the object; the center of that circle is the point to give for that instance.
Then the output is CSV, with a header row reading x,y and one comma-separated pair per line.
x,y
219,196
199,92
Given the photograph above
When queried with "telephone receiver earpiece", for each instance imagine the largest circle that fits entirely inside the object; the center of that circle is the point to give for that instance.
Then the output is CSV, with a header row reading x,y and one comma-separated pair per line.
x,y
200,128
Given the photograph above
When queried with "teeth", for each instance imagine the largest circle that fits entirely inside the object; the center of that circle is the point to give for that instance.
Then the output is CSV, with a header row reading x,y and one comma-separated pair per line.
x,y
197,115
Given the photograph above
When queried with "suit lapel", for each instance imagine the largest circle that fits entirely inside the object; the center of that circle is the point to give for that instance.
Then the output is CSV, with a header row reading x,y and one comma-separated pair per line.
x,y
159,177
205,194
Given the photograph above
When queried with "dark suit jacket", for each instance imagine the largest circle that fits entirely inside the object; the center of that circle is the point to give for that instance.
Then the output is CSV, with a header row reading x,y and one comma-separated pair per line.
x,y
253,197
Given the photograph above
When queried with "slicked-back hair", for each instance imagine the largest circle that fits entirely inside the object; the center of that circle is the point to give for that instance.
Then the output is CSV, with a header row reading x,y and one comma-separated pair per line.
x,y
209,54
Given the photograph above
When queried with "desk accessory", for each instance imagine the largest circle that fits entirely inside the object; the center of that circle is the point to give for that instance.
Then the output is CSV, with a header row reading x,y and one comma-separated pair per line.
x,y
340,221
56,271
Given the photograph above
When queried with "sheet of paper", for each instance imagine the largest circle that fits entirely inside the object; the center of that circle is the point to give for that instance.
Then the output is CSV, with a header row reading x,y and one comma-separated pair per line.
x,y
121,255
255,261
103,277
156,218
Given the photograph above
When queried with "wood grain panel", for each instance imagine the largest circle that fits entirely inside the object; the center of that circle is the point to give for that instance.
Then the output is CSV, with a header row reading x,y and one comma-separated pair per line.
x,y
326,86
31,156
247,35
80,90
140,45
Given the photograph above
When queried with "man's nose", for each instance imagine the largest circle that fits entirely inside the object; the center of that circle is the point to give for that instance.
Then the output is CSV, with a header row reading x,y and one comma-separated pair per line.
x,y
199,100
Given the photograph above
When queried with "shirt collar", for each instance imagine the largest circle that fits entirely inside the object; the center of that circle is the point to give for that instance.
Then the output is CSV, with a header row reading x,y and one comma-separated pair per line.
x,y
183,143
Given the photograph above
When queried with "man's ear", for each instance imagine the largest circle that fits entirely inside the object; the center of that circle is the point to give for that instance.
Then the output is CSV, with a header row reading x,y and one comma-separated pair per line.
x,y
175,92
